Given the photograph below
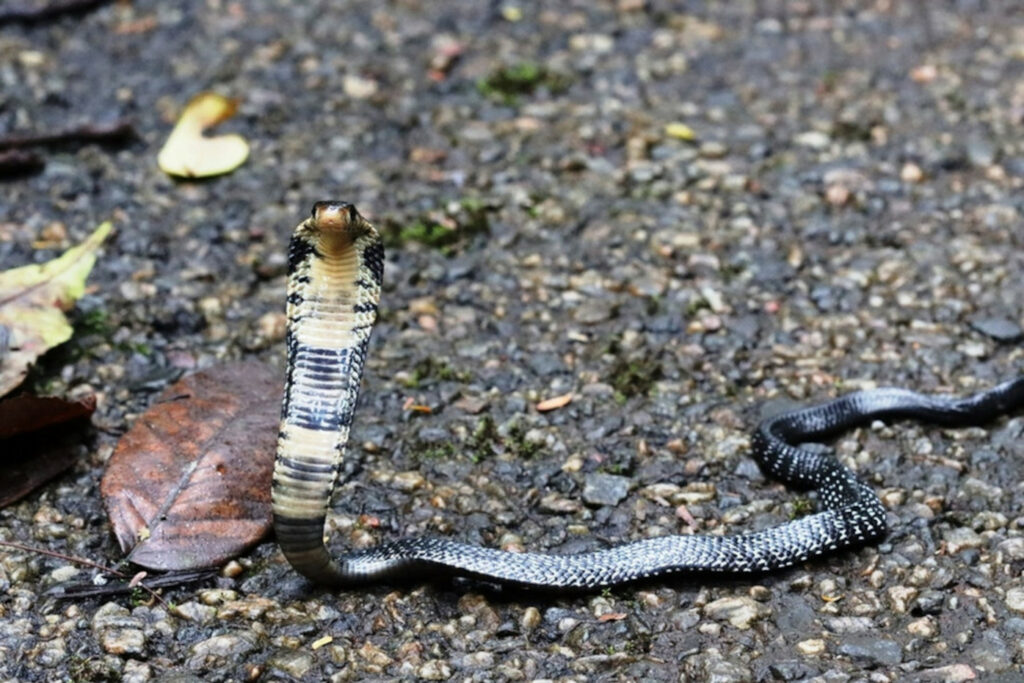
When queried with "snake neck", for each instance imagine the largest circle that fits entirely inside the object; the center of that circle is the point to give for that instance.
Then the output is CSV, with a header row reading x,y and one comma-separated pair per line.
x,y
333,292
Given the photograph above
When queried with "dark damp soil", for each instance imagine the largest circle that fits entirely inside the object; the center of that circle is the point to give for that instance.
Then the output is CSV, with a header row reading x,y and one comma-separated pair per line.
x,y
686,216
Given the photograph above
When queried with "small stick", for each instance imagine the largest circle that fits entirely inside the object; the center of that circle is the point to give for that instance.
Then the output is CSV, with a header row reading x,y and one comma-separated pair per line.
x,y
113,133
17,162
87,563
36,15
82,590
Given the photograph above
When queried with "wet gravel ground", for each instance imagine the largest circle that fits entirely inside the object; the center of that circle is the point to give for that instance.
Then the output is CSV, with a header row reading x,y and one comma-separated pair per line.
x,y
847,214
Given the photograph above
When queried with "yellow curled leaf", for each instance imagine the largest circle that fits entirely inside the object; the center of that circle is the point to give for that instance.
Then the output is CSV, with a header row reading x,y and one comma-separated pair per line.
x,y
33,299
189,154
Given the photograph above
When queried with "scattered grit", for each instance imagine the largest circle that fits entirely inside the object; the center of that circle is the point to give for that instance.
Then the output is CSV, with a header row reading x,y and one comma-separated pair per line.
x,y
685,216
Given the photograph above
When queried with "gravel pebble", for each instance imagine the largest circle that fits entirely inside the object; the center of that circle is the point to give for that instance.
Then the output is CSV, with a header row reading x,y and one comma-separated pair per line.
x,y
1000,329
925,627
741,612
871,652
136,672
980,150
962,538
953,673
990,652
220,651
434,670
119,633
1015,599
811,647
408,481
929,602
813,139
911,173
291,663
605,489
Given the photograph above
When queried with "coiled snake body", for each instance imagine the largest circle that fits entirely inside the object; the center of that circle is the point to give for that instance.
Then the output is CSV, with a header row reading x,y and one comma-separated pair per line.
x,y
336,265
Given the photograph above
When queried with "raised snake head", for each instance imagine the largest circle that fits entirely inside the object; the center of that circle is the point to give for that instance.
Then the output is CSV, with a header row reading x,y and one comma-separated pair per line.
x,y
338,217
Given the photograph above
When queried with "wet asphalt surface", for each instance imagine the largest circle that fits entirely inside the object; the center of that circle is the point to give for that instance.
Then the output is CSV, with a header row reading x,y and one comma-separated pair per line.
x,y
840,209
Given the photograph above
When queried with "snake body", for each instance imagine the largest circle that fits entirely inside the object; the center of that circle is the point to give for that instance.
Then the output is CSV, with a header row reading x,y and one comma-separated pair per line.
x,y
336,267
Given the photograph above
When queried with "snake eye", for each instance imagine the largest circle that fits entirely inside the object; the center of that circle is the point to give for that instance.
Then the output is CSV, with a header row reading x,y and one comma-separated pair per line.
x,y
352,213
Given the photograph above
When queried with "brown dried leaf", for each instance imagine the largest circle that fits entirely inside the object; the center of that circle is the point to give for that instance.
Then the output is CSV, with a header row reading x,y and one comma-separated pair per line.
x,y
26,413
33,455
189,484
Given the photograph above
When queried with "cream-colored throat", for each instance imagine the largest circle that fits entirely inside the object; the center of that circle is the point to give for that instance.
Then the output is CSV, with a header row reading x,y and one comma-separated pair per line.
x,y
331,294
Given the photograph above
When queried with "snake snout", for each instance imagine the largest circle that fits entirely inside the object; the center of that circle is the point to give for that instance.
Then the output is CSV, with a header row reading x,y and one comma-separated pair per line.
x,y
335,216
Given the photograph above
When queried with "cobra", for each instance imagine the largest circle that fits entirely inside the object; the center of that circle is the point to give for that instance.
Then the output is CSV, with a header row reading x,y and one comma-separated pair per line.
x,y
335,270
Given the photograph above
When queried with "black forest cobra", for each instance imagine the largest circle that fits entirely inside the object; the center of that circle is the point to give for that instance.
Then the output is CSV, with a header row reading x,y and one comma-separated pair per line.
x,y
335,269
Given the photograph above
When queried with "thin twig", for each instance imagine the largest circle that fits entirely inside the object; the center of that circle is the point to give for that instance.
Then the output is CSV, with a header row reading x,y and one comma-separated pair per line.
x,y
62,556
85,562
118,132
82,590
37,15
17,162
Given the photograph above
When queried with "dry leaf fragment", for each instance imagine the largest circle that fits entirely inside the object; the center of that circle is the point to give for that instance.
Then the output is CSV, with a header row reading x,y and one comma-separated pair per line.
x,y
554,403
612,616
471,404
134,27
33,299
924,73
320,642
189,485
411,405
189,154
369,521
26,413
39,439
683,513
427,155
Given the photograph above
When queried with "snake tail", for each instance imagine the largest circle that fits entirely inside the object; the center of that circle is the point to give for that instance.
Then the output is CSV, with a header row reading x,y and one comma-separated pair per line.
x,y
336,266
